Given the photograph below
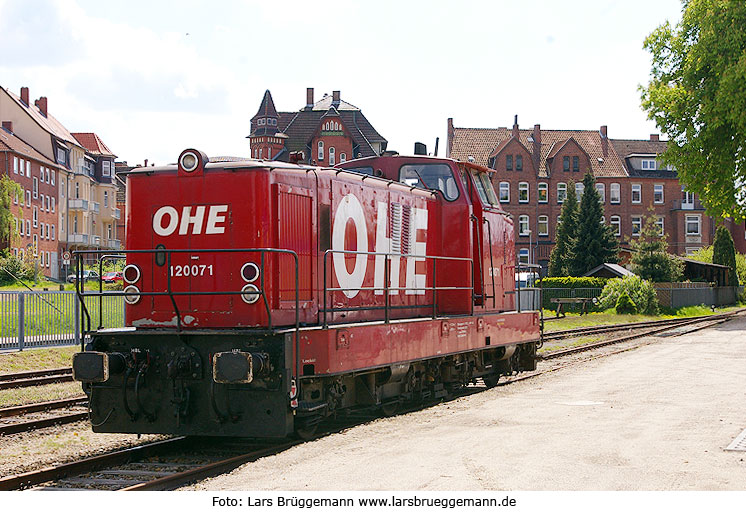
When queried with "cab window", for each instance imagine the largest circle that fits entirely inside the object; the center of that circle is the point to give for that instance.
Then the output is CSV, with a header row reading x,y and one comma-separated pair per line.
x,y
483,186
432,176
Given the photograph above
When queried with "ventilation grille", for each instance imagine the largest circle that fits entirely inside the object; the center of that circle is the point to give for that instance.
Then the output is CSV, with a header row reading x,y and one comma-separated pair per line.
x,y
399,228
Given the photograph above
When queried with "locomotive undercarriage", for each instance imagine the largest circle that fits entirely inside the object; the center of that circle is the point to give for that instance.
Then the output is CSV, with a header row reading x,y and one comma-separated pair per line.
x,y
186,384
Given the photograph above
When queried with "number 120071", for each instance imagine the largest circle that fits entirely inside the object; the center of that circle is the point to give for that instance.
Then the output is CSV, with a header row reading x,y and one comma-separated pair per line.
x,y
193,270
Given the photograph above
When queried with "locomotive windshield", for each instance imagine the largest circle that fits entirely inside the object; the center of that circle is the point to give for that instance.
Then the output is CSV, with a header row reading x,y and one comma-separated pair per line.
x,y
433,176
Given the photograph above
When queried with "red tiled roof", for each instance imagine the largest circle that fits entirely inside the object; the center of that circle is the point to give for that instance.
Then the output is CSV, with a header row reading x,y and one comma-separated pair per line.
x,y
10,142
482,142
48,122
93,143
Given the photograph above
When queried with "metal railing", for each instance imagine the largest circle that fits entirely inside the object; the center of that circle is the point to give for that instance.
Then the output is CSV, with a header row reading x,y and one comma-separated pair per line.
x,y
386,288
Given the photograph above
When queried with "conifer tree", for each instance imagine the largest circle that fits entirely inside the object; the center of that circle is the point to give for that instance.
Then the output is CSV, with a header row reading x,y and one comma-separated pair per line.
x,y
595,242
560,258
724,253
650,260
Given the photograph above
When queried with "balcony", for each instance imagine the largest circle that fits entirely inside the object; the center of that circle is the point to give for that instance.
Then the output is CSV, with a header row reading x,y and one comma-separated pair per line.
x,y
679,204
78,238
117,214
114,244
78,204
95,207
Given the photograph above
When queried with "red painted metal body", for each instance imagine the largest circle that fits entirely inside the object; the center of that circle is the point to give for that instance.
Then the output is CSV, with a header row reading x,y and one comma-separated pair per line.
x,y
445,266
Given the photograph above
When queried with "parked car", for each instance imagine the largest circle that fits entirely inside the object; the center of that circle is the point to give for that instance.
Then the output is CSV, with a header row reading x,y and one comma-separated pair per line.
x,y
87,276
112,276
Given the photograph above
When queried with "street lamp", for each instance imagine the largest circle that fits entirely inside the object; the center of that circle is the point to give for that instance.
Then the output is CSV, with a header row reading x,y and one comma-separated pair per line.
x,y
529,246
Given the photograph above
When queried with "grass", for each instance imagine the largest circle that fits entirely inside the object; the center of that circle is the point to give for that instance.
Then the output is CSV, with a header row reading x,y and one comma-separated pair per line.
x,y
32,394
587,340
37,359
610,317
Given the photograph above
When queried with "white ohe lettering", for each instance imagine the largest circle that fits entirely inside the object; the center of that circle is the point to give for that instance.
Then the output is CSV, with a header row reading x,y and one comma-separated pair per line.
x,y
191,220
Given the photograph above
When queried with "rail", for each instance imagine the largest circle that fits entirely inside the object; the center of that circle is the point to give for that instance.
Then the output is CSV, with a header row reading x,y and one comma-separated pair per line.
x,y
386,288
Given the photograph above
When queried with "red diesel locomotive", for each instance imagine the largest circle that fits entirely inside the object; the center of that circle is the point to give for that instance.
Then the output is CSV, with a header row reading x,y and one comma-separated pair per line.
x,y
263,297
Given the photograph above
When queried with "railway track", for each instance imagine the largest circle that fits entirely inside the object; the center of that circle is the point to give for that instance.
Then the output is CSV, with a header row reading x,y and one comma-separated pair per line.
x,y
16,419
176,462
35,378
584,331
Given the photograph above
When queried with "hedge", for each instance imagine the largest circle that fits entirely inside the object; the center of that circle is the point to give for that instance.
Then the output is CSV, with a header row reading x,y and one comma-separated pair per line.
x,y
570,282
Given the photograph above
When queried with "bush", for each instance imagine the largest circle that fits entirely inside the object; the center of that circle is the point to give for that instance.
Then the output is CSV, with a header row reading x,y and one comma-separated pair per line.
x,y
625,305
573,282
13,269
641,292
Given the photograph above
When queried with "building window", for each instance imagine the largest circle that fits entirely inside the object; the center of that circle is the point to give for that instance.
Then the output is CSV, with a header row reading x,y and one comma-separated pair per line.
x,y
637,193
523,225
28,227
658,194
108,231
504,192
49,203
342,157
261,121
36,245
566,164
543,225
36,217
106,199
601,189
36,188
661,227
28,198
509,162
693,224
332,157
15,198
543,193
28,169
19,227
615,193
648,165
52,174
579,188
46,227
575,164
106,168
62,190
523,256
54,202
519,162
15,164
561,192
321,150
75,224
636,226
53,232
523,192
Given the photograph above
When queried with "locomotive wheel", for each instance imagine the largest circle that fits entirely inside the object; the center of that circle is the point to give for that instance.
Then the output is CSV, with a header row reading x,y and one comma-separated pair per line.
x,y
307,432
491,380
390,408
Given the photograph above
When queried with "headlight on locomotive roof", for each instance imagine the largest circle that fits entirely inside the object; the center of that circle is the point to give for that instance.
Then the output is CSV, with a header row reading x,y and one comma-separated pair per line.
x,y
132,294
189,161
249,272
250,294
131,273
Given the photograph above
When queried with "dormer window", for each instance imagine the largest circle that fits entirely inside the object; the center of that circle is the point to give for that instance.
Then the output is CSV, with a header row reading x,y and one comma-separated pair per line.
x,y
648,165
261,121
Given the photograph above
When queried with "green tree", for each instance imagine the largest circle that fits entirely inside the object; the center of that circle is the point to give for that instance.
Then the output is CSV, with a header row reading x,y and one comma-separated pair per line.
x,y
705,255
560,259
8,189
724,253
650,258
697,95
595,243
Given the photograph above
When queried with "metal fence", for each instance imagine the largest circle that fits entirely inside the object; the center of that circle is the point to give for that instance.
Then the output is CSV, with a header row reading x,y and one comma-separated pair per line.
x,y
551,293
50,318
675,297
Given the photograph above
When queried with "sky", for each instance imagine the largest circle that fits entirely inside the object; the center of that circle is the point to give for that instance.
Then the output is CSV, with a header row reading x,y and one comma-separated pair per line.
x,y
152,78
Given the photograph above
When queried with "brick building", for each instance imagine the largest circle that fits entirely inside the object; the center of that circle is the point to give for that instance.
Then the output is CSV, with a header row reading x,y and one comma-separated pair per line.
x,y
328,132
536,168
35,209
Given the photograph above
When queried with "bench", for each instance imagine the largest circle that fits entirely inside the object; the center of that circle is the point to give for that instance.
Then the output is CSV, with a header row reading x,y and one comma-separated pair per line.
x,y
564,301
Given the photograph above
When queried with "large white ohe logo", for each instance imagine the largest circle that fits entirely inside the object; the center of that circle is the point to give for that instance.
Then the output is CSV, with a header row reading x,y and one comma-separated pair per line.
x,y
350,209
166,219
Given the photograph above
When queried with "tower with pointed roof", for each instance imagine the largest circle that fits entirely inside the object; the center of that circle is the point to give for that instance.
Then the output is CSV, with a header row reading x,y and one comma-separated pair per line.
x,y
328,132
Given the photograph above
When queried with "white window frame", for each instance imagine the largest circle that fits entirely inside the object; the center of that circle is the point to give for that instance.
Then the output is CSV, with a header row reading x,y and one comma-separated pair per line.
x,y
561,192
658,189
54,233
636,224
106,199
648,165
52,174
28,227
693,218
523,254
36,245
504,187
601,189
523,189
543,225
616,224
54,204
660,222
332,156
106,168
579,189
615,188
320,154
543,187
636,188
36,187
15,164
36,216
342,157
28,169
524,223
28,198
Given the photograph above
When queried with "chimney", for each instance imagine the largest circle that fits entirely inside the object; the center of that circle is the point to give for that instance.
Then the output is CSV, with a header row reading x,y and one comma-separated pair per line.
x,y
8,126
604,140
309,98
450,134
335,98
24,95
536,151
654,137
146,162
515,127
42,105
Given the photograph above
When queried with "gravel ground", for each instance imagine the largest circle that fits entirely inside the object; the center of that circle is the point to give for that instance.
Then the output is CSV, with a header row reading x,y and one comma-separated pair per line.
x,y
55,445
654,418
